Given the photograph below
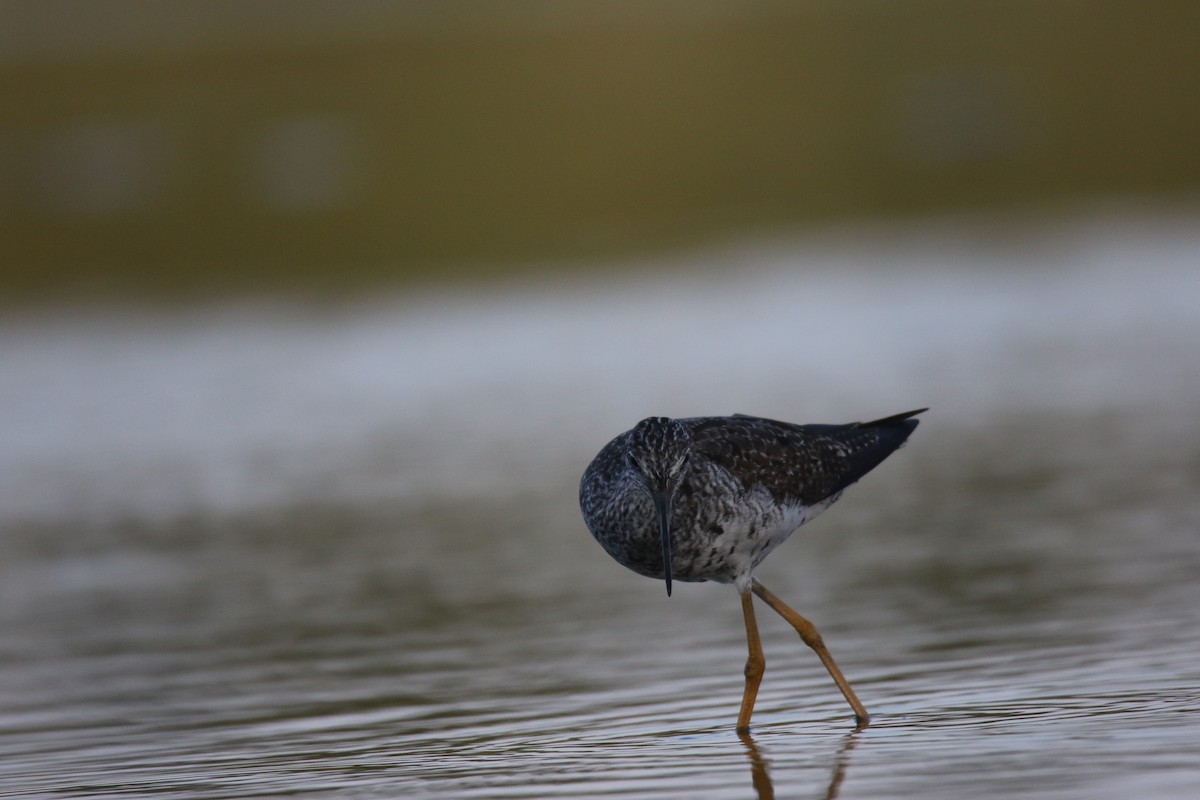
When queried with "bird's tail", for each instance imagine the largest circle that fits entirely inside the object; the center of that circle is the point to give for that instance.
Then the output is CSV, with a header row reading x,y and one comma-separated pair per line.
x,y
895,419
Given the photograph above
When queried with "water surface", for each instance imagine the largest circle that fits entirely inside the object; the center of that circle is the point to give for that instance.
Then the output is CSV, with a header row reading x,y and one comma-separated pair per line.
x,y
258,551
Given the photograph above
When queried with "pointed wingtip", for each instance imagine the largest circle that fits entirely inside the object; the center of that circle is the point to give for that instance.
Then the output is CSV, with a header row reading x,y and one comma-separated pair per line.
x,y
894,419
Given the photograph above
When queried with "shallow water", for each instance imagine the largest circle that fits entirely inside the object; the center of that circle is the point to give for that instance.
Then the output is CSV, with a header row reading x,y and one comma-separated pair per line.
x,y
255,552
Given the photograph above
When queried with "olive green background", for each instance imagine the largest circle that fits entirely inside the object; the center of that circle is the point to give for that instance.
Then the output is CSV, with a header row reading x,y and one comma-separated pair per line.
x,y
412,142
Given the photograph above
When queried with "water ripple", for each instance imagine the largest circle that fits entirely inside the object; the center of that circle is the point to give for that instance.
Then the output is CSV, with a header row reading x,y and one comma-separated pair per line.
x,y
1015,600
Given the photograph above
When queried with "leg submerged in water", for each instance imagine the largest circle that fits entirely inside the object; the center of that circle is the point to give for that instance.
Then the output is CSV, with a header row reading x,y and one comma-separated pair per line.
x,y
756,664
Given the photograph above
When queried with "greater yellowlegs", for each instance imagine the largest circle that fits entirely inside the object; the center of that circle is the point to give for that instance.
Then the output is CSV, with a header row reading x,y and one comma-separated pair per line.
x,y
708,498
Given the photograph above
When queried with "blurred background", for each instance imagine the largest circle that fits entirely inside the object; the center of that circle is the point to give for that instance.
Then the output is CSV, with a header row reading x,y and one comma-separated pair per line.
x,y
313,311
246,244
309,145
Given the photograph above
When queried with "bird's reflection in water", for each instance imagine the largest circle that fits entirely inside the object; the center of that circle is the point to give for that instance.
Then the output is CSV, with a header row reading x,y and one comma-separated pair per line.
x,y
849,742
760,777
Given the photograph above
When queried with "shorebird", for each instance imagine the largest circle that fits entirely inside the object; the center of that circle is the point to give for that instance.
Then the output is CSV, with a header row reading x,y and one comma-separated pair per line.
x,y
708,498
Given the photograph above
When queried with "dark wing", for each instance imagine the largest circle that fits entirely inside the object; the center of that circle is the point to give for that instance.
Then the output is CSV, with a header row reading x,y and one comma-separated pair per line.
x,y
802,462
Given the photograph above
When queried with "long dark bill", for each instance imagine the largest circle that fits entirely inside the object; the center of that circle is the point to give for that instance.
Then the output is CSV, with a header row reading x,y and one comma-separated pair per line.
x,y
662,503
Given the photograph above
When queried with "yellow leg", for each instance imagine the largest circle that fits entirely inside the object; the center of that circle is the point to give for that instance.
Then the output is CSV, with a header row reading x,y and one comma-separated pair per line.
x,y
756,664
811,637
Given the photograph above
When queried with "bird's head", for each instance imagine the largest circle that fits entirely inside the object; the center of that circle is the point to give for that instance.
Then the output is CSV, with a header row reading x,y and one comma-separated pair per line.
x,y
658,451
